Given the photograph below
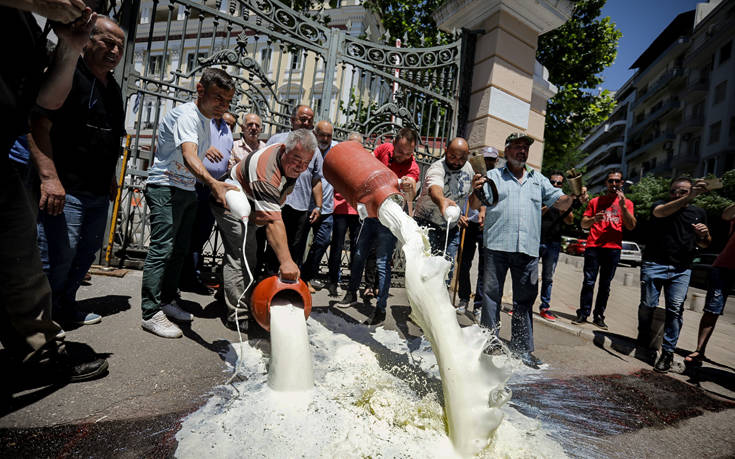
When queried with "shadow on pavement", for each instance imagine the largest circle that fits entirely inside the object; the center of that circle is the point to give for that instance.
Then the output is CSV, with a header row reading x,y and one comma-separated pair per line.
x,y
105,305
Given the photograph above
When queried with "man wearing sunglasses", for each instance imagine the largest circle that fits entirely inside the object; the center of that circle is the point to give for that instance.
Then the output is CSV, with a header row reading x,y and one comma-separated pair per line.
x,y
605,217
677,228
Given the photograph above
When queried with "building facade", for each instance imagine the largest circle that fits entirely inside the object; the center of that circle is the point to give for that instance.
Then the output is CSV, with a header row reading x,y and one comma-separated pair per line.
x,y
675,115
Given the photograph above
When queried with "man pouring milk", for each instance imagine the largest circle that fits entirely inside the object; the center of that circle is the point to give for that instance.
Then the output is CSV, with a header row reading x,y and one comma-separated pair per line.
x,y
447,185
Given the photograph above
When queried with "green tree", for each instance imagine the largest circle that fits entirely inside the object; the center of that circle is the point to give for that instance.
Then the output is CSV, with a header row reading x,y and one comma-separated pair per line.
x,y
575,54
409,20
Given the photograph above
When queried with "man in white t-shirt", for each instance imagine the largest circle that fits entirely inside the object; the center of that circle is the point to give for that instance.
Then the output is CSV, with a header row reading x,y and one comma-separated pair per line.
x,y
183,139
448,182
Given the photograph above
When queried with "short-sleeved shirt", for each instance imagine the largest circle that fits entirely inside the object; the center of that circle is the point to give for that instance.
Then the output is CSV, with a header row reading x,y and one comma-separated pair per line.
x,y
300,198
221,139
384,153
240,150
456,185
671,240
608,233
184,123
86,133
514,223
265,184
726,259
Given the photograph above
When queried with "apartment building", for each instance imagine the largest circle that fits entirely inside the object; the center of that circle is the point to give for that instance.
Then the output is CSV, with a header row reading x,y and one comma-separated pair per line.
x,y
675,115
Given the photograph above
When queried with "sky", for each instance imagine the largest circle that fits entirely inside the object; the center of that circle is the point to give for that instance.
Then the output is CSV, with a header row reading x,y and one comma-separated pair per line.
x,y
640,21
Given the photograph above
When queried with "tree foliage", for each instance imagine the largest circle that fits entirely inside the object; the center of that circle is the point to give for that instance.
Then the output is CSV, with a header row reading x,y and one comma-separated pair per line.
x,y
311,8
410,21
575,54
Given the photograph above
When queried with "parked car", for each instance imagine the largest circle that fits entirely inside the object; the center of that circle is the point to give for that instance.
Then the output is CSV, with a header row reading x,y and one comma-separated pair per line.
x,y
577,247
631,254
565,241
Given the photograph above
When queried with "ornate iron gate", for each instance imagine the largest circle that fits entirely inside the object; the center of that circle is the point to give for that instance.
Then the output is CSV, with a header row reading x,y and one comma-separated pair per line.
x,y
279,58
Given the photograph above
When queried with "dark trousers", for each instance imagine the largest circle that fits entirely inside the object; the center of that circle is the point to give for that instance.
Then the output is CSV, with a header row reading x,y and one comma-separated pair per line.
x,y
297,231
342,223
602,260
200,231
172,213
322,230
472,242
25,304
524,275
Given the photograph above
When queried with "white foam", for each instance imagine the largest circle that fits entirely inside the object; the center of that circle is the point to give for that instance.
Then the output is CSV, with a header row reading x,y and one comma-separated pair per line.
x,y
290,366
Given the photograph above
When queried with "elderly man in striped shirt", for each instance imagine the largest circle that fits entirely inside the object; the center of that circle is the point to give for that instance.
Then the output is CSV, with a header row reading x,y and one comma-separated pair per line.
x,y
514,195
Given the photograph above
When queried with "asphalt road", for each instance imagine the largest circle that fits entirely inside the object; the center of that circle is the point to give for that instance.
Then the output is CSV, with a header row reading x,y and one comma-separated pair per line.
x,y
595,401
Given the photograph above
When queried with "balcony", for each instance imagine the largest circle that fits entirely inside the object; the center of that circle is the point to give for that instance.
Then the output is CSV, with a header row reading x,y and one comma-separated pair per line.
x,y
653,141
601,152
601,131
653,89
656,114
685,160
691,123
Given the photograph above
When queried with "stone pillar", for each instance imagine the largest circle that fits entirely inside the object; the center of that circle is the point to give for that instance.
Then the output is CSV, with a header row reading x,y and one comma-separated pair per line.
x,y
509,87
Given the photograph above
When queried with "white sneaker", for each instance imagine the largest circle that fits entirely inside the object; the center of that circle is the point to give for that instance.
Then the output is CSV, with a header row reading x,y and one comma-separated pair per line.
x,y
174,311
477,313
161,326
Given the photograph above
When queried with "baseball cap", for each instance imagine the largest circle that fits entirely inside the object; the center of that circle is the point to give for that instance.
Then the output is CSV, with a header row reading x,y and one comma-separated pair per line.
x,y
517,136
489,152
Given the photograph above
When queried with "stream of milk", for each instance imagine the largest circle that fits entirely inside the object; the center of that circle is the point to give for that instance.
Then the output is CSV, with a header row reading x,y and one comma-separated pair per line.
x,y
473,385
290,366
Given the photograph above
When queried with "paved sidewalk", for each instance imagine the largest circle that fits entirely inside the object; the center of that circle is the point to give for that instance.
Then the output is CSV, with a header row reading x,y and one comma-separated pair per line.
x,y
621,314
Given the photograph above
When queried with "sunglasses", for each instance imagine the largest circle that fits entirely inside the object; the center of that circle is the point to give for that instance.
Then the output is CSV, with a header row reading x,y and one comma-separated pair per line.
x,y
614,180
680,191
556,182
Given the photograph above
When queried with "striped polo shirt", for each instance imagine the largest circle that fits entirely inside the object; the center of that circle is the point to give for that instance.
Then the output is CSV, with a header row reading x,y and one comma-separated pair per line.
x,y
264,183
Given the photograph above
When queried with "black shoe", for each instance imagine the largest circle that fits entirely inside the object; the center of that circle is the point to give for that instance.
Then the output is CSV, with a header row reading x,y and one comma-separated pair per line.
x,y
332,289
349,300
600,322
197,287
530,360
645,354
664,362
74,366
580,320
378,318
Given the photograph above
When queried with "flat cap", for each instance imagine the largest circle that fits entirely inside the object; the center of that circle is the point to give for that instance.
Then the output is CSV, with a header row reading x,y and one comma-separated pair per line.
x,y
517,136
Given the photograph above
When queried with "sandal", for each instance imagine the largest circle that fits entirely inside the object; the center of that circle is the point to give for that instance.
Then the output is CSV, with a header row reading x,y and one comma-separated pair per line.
x,y
694,359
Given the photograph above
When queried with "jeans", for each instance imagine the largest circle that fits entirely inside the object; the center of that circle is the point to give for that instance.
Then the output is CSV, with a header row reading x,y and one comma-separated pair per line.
x,y
374,233
604,261
322,229
26,328
524,275
472,241
234,273
720,282
201,230
342,222
172,213
437,237
68,243
549,254
674,281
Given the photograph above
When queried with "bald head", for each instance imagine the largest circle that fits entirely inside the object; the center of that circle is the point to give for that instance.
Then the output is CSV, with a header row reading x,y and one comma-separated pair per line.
x,y
323,132
105,47
457,153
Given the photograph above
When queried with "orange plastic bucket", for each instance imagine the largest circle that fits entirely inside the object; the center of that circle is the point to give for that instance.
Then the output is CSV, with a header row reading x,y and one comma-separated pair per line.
x,y
271,287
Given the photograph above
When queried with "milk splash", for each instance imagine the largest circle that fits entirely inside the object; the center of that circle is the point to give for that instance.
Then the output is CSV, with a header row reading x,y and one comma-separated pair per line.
x,y
290,367
473,385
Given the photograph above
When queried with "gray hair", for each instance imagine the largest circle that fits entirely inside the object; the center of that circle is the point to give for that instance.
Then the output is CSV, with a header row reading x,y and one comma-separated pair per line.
x,y
354,136
301,137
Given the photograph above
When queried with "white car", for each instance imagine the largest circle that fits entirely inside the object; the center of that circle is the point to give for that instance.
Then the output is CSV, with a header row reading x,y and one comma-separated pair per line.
x,y
631,254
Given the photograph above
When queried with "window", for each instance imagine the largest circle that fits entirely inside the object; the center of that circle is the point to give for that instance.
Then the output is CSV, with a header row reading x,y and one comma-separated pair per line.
x,y
316,104
265,59
653,163
145,15
155,64
296,61
714,132
192,60
694,149
720,92
725,52
710,166
731,134
181,14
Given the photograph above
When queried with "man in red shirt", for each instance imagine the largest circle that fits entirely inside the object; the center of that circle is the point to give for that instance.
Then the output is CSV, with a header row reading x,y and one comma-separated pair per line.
x,y
605,217
398,156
